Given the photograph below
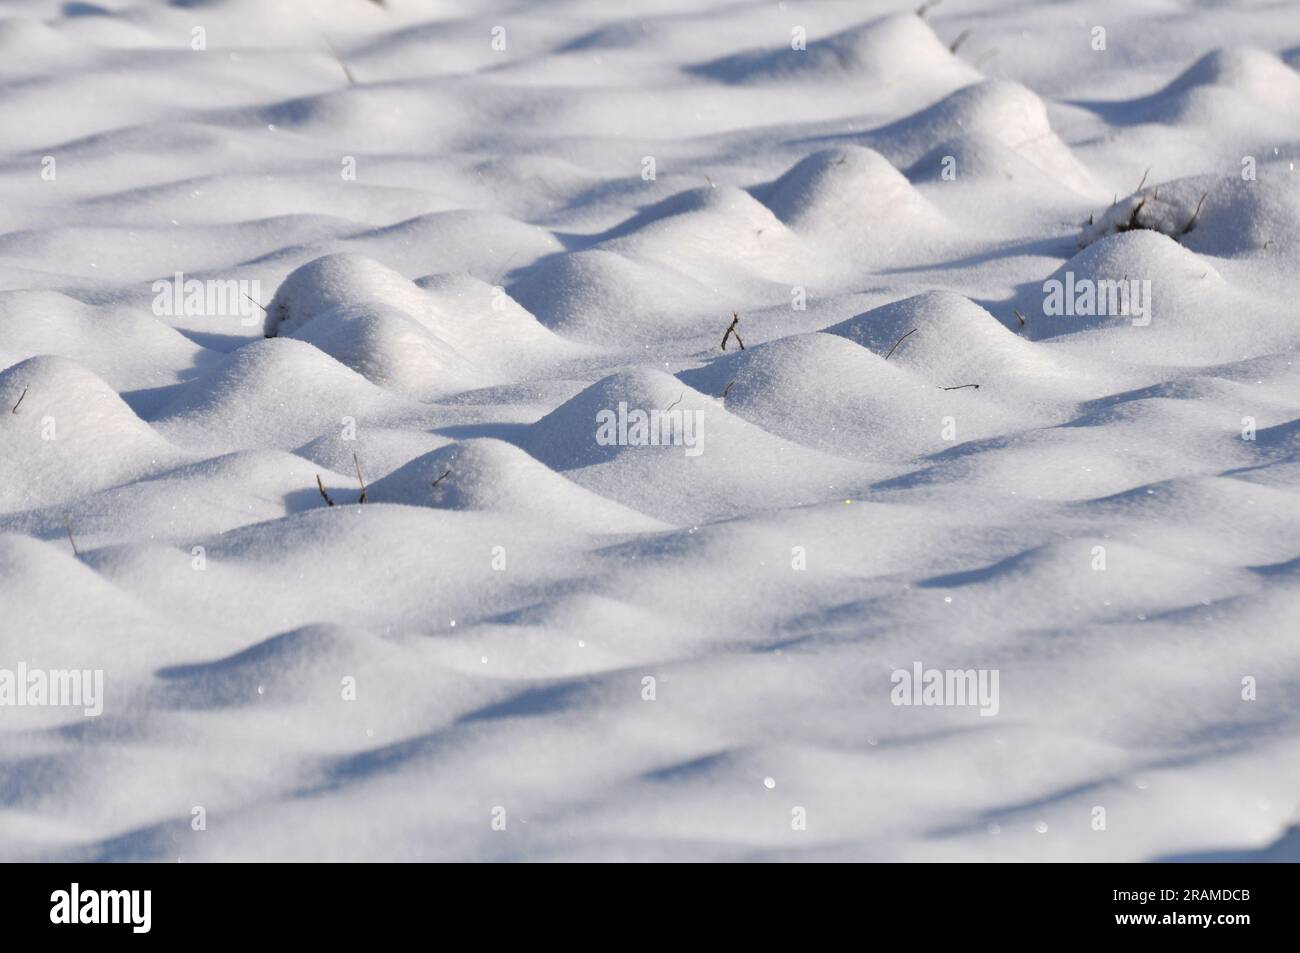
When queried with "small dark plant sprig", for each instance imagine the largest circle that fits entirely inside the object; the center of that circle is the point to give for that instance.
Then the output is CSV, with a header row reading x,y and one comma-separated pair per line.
x,y
898,342
732,332
347,73
1191,222
67,524
365,493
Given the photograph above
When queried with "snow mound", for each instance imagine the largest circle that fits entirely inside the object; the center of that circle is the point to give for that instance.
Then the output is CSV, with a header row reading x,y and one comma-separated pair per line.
x,y
983,159
84,620
697,462
1241,217
334,281
950,340
862,406
464,334
600,296
26,42
381,450
1223,216
121,345
67,433
392,350
1223,84
850,194
271,393
1173,209
492,328
714,235
486,474
411,115
715,207
461,240
1258,73
1137,579
891,51
305,664
222,493
1086,292
1001,110
699,240
1179,309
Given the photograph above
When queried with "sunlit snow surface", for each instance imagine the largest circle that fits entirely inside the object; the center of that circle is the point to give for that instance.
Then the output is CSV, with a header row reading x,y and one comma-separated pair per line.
x,y
475,229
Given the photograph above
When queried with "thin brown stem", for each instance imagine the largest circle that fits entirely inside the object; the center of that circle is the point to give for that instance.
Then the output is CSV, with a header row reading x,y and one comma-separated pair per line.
x,y
900,341
352,80
731,330
1192,221
360,479
1133,222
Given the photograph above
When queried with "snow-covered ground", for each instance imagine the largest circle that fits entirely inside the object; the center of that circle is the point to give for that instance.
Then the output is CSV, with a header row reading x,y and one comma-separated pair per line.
x,y
488,237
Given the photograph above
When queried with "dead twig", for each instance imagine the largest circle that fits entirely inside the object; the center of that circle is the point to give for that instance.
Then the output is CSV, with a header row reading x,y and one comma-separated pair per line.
x,y
1144,179
1133,222
67,523
675,403
960,386
361,480
900,341
731,329
321,486
20,399
727,390
962,37
441,478
352,80
925,8
1192,221
1020,316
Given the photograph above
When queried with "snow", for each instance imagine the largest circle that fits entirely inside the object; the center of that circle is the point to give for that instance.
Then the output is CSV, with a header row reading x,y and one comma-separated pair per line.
x,y
616,592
